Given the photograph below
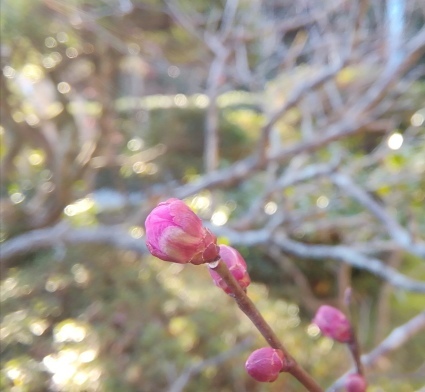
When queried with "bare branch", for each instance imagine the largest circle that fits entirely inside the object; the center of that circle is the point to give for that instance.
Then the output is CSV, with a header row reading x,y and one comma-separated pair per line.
x,y
341,253
290,177
396,339
211,153
117,236
413,50
348,255
184,20
306,294
191,371
63,234
294,99
228,17
398,233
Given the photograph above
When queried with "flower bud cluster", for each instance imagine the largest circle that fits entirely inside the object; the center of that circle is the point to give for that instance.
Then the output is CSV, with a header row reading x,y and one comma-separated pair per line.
x,y
175,233
335,325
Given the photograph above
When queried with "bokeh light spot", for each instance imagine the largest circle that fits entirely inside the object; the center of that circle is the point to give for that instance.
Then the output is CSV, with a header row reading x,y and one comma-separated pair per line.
x,y
9,72
38,327
173,71
48,62
32,120
417,119
202,101
200,202
33,72
81,273
180,100
322,202
62,37
270,208
219,218
88,356
17,198
71,53
313,330
135,144
139,167
69,331
50,42
137,232
64,87
395,141
36,159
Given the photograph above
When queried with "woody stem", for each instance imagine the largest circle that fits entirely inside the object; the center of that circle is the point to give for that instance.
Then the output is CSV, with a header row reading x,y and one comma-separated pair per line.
x,y
247,306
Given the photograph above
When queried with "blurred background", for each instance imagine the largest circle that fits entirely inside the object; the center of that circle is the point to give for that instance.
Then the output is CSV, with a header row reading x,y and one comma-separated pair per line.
x,y
296,130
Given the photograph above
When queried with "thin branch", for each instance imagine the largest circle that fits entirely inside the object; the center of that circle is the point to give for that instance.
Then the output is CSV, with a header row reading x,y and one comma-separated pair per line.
x,y
414,48
247,167
396,339
295,23
211,153
398,233
184,20
352,257
324,252
228,18
247,306
350,124
117,236
384,301
181,381
306,294
63,234
292,176
294,99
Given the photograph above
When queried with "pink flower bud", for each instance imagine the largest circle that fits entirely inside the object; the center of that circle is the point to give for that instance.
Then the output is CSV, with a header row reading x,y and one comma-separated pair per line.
x,y
175,233
236,265
265,364
333,323
355,383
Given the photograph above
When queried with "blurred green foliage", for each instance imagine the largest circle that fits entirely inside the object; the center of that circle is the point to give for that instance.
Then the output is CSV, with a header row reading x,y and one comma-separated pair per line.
x,y
115,321
101,319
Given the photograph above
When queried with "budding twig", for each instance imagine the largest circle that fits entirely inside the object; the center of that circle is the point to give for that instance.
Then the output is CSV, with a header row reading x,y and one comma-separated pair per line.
x,y
247,306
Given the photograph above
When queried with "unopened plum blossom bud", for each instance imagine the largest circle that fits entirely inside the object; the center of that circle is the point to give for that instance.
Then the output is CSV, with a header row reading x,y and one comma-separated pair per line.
x,y
333,324
175,233
236,265
355,383
265,364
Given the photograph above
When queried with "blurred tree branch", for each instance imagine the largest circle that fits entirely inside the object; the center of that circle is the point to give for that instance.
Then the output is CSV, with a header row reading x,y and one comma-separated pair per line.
x,y
395,339
313,91
62,234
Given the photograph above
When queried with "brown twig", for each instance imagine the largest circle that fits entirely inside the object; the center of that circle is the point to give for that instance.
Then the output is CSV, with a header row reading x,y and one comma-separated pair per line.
x,y
397,338
247,306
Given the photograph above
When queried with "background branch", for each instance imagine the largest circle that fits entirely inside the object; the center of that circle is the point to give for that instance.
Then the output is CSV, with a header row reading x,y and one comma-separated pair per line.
x,y
396,339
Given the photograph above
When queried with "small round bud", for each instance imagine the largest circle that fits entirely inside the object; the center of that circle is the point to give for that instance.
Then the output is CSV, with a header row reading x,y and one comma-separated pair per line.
x,y
355,383
236,265
333,323
175,233
265,364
